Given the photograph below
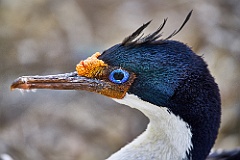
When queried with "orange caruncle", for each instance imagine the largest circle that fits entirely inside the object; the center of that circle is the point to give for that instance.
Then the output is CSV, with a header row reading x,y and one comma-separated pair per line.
x,y
91,67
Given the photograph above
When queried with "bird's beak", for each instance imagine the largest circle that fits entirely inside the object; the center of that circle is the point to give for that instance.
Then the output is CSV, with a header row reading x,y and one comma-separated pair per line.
x,y
90,76
68,81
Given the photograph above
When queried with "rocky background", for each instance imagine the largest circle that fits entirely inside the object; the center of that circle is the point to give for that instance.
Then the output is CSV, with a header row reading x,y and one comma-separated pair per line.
x,y
52,36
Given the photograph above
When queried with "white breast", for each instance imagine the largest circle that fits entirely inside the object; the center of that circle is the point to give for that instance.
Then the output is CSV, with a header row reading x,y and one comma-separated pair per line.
x,y
167,136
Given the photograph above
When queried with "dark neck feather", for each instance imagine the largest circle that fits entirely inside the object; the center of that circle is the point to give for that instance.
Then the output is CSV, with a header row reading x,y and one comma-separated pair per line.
x,y
197,101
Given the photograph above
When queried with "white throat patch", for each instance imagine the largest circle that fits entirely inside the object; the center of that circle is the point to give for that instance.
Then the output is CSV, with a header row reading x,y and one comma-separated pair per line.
x,y
167,136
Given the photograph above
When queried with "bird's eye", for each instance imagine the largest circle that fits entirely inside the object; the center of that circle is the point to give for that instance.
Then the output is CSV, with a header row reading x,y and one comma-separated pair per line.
x,y
118,76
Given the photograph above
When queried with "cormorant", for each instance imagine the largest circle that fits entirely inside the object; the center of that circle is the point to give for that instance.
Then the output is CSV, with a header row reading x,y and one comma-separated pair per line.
x,y
162,78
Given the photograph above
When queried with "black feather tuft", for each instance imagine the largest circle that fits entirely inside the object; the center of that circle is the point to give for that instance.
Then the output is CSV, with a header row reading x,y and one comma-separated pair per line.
x,y
185,21
135,38
135,34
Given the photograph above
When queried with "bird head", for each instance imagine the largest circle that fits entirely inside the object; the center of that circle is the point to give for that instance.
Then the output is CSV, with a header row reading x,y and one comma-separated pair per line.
x,y
136,64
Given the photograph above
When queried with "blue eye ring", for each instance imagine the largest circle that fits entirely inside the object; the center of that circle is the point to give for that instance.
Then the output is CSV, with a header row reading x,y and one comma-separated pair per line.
x,y
118,76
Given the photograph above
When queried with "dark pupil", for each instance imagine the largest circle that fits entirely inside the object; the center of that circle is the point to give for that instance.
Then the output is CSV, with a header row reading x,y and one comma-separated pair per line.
x,y
118,76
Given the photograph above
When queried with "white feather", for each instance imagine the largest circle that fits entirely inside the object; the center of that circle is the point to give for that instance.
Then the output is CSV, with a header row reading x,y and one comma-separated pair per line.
x,y
5,156
167,136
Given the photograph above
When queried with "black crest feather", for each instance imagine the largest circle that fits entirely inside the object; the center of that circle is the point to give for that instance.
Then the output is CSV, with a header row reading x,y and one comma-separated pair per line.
x,y
138,38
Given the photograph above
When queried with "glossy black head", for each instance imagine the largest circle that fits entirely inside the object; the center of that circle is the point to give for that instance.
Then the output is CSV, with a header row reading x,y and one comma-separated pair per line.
x,y
159,68
169,74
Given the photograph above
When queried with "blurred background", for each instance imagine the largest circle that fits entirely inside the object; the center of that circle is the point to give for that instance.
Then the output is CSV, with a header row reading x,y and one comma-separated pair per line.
x,y
39,37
